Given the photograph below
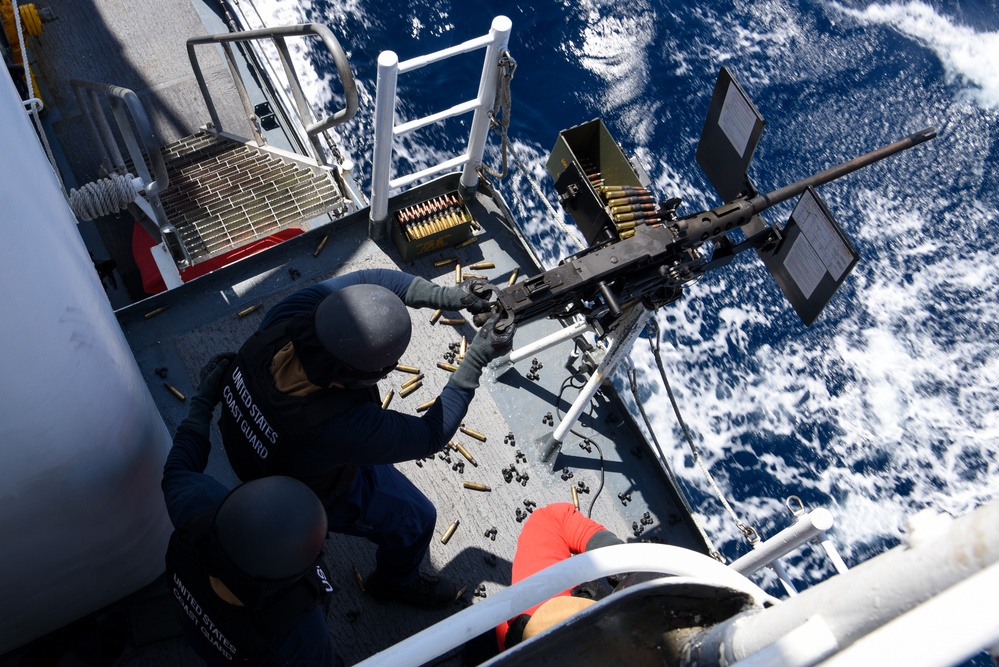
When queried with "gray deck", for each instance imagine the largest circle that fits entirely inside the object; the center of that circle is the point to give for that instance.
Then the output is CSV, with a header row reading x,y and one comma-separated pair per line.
x,y
202,320
93,42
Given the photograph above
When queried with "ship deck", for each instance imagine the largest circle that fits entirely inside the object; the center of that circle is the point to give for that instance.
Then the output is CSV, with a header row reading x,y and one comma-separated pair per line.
x,y
202,318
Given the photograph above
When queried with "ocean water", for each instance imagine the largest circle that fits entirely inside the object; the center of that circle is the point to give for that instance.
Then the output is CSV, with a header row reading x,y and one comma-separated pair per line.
x,y
887,404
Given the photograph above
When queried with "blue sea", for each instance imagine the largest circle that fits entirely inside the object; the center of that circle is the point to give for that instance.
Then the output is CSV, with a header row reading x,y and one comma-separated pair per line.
x,y
887,404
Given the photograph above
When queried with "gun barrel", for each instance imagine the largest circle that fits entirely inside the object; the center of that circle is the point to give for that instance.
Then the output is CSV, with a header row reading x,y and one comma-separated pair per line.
x,y
763,202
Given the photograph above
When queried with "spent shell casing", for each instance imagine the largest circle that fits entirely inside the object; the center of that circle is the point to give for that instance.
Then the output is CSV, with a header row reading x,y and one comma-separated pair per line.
x,y
513,277
472,434
426,406
358,578
447,367
464,276
475,486
155,312
246,311
462,347
450,531
457,274
388,399
483,265
453,321
575,498
445,262
436,316
407,369
411,381
403,393
464,452
322,244
173,390
469,241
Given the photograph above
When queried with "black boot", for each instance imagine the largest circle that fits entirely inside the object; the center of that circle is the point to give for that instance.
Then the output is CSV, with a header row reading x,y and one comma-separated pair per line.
x,y
425,591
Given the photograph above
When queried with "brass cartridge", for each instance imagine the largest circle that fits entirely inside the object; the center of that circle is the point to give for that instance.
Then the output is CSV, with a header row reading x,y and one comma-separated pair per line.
x,y
403,393
457,274
447,367
513,276
173,390
478,266
469,241
475,486
450,531
453,321
627,234
426,406
155,312
464,452
472,434
411,381
623,226
388,399
436,316
358,578
407,369
473,275
575,498
322,244
462,347
246,311
445,262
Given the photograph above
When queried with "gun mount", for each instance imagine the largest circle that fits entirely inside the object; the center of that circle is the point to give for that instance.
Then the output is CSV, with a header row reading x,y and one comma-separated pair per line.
x,y
641,252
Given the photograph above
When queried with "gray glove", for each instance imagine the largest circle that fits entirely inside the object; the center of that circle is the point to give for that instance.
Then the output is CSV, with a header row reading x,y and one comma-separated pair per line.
x,y
469,295
487,345
213,375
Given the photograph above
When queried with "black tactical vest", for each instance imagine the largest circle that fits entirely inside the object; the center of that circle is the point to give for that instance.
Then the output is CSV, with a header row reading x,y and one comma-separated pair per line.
x,y
262,428
238,635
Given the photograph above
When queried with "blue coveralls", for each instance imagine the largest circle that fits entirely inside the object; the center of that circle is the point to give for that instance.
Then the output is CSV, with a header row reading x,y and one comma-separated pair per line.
x,y
381,504
188,492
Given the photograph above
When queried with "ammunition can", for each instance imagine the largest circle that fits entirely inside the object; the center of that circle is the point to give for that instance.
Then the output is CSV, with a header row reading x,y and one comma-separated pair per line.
x,y
475,486
173,390
472,434
388,399
403,393
450,531
447,367
408,369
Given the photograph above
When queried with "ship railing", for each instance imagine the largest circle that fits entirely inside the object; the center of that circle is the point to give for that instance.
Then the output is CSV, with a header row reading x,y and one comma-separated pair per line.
x,y
808,527
313,128
386,130
142,144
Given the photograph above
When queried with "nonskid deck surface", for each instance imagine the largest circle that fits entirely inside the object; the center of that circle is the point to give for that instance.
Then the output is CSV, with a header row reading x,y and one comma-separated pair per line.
x,y
202,320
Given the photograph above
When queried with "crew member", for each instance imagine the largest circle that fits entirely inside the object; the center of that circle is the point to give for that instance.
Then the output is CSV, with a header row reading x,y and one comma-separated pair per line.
x,y
550,535
301,400
244,566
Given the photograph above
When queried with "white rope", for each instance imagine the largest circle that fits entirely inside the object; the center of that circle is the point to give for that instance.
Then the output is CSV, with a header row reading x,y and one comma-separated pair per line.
x,y
102,197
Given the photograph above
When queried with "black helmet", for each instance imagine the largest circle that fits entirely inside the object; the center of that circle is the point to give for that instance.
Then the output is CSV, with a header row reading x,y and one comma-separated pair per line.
x,y
266,534
366,328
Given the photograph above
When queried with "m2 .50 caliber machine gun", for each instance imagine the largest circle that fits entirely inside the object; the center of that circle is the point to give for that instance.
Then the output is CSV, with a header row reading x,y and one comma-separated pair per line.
x,y
641,253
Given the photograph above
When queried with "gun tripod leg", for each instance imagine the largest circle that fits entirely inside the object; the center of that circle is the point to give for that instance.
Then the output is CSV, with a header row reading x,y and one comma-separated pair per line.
x,y
621,341
568,333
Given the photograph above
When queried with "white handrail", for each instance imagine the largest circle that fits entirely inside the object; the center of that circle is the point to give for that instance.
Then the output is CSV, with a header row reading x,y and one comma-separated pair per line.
x,y
473,621
386,130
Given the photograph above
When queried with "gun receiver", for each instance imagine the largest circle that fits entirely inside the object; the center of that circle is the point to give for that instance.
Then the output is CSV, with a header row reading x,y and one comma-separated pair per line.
x,y
653,266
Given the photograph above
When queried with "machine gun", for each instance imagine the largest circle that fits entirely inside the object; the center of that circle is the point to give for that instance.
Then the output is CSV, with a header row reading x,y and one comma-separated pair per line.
x,y
641,254
647,254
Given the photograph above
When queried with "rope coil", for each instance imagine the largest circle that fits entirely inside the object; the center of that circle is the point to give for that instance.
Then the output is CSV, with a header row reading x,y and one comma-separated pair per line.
x,y
102,197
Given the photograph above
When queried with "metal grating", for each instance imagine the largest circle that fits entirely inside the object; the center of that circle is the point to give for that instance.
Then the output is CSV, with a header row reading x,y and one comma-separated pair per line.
x,y
224,194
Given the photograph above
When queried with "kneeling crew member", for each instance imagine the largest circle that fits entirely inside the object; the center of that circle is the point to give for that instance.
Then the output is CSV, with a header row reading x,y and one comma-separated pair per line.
x,y
245,566
301,400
